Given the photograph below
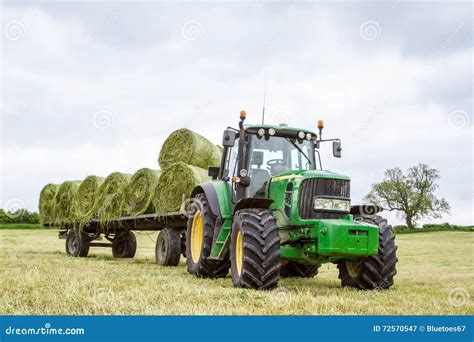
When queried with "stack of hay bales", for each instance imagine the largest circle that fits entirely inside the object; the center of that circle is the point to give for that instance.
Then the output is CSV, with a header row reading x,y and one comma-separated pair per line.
x,y
184,160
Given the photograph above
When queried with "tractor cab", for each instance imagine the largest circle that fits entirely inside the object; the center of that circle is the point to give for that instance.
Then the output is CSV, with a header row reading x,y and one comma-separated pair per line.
x,y
255,154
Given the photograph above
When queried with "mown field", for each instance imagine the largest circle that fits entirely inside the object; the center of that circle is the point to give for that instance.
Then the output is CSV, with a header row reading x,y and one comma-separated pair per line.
x,y
435,277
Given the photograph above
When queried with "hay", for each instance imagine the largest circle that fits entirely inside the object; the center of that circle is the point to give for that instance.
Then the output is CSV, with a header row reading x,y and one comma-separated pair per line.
x,y
176,180
46,204
64,202
191,148
110,197
85,198
140,192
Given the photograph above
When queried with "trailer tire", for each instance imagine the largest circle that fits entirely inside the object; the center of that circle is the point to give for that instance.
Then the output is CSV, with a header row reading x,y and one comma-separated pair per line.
x,y
375,271
77,243
168,248
199,238
124,245
255,250
294,269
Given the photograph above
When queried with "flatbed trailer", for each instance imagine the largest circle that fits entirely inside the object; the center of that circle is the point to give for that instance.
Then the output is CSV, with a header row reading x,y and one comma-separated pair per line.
x,y
118,235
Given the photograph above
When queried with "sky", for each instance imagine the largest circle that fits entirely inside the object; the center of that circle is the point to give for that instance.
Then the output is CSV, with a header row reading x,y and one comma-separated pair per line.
x,y
96,87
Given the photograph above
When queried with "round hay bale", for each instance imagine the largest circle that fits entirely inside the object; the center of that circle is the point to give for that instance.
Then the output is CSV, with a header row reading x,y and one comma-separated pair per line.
x,y
110,197
64,202
84,200
140,191
191,148
177,180
46,204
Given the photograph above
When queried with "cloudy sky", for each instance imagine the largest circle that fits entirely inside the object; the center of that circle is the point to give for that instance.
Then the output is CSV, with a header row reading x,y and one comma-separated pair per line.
x,y
91,88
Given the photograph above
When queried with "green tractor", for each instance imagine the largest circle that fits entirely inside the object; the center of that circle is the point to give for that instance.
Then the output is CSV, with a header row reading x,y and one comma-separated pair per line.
x,y
271,212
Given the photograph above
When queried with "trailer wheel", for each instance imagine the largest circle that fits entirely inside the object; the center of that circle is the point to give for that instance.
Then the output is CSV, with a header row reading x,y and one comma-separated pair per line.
x,y
199,236
255,250
168,248
375,271
294,269
77,243
124,245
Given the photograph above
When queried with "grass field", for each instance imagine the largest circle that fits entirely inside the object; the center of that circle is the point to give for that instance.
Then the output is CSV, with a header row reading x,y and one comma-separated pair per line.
x,y
435,277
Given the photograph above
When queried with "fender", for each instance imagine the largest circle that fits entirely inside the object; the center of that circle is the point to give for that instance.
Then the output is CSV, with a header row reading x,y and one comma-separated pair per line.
x,y
365,209
252,202
217,194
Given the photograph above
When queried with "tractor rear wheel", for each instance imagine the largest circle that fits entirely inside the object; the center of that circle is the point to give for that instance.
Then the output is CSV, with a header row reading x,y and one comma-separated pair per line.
x,y
255,250
295,269
199,236
375,271
124,245
168,248
77,243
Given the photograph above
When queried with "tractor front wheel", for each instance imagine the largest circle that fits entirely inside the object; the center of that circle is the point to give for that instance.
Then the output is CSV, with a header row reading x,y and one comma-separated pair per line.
x,y
255,250
375,271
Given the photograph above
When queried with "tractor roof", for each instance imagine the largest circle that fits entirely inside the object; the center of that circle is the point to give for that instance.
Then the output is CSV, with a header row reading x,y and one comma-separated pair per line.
x,y
279,128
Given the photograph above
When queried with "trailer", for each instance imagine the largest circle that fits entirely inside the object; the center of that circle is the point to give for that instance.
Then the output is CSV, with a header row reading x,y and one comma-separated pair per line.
x,y
118,235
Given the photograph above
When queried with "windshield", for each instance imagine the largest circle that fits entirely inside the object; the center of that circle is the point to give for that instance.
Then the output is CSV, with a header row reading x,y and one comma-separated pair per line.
x,y
269,158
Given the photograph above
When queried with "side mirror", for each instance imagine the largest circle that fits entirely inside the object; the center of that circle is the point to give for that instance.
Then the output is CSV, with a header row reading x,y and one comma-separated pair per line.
x,y
228,140
336,149
213,172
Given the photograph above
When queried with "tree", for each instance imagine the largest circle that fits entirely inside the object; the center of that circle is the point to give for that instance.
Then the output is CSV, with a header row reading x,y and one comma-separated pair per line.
x,y
411,194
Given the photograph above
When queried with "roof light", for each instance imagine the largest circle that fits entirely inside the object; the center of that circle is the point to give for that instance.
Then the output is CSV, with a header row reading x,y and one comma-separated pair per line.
x,y
320,124
243,114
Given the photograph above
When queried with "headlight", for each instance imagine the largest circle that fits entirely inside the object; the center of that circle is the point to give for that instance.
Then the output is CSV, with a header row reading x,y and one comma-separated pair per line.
x,y
301,135
308,136
271,131
332,204
261,132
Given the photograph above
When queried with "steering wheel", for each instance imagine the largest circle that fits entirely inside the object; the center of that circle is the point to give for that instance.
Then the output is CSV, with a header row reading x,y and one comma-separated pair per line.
x,y
275,162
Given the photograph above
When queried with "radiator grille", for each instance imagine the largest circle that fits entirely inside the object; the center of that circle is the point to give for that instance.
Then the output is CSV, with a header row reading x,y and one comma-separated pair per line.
x,y
310,188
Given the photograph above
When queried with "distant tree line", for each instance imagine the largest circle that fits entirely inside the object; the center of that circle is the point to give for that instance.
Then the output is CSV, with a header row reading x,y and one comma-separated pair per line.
x,y
18,216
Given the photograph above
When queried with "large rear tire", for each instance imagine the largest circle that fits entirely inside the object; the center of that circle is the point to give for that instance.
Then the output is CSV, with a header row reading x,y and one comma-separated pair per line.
x,y
255,250
77,243
168,248
295,269
199,237
124,245
375,271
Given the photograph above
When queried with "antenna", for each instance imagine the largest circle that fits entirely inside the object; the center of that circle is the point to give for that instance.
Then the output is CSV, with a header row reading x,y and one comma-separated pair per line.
x,y
264,99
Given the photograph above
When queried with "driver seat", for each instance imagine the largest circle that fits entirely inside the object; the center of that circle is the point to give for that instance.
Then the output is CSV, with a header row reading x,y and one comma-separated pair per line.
x,y
259,177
